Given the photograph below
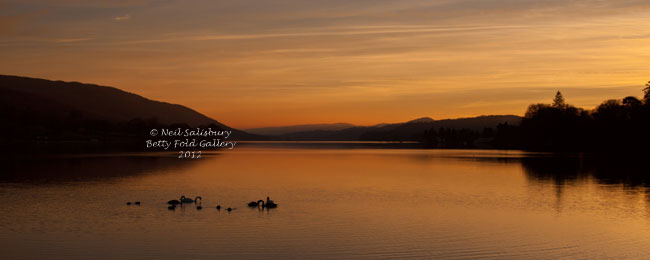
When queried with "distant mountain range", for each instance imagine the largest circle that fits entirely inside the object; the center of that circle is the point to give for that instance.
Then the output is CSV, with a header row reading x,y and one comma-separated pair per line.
x,y
57,110
280,130
407,131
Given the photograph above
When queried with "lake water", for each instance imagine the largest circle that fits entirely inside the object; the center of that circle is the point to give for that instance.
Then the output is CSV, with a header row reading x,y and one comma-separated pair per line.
x,y
333,204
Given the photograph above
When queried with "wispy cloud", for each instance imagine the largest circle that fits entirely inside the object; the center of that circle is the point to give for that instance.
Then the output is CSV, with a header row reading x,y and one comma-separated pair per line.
x,y
329,31
123,18
71,40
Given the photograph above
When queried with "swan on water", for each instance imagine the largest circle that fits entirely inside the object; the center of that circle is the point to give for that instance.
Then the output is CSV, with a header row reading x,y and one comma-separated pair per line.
x,y
183,199
186,200
268,204
189,200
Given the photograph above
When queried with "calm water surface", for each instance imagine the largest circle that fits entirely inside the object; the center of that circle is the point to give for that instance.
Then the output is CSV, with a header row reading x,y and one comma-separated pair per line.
x,y
333,204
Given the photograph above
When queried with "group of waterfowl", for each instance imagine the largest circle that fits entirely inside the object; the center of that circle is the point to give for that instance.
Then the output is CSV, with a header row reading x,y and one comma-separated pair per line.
x,y
197,200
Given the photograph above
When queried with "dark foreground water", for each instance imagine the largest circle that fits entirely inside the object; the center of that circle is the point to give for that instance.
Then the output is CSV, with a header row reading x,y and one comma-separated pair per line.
x,y
333,204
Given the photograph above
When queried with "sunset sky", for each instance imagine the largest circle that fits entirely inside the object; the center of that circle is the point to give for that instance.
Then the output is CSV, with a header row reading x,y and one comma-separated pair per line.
x,y
268,63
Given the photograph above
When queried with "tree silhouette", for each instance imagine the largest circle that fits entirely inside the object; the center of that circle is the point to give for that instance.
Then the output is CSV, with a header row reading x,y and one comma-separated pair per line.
x,y
558,101
646,93
631,101
614,127
557,127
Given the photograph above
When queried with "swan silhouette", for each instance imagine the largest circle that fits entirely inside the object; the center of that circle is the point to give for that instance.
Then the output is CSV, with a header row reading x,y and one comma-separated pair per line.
x,y
218,207
189,200
137,203
186,200
268,204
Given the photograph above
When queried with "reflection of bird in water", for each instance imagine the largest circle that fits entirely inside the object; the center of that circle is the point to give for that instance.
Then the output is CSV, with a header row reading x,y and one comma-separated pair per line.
x,y
172,207
199,207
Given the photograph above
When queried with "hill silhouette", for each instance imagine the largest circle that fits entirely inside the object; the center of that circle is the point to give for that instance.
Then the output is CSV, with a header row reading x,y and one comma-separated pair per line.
x,y
407,131
280,130
40,109
101,102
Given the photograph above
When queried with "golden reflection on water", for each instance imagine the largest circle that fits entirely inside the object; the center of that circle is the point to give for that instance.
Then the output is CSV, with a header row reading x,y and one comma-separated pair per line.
x,y
334,203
